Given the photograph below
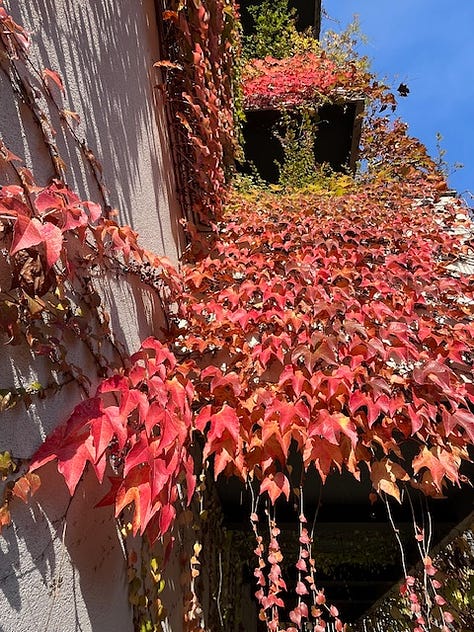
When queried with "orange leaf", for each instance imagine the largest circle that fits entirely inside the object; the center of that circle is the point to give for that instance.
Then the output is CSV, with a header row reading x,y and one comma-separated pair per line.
x,y
70,114
136,488
5,517
165,63
170,15
51,75
275,485
384,476
425,458
26,485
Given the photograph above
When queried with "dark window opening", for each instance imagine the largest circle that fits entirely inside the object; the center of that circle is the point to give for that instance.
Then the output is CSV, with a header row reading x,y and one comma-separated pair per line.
x,y
336,139
308,12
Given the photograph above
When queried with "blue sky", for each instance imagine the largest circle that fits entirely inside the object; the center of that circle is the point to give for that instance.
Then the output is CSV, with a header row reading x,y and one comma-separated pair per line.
x,y
429,45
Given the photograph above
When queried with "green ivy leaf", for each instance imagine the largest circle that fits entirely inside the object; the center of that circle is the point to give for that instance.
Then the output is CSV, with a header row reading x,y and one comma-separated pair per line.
x,y
7,465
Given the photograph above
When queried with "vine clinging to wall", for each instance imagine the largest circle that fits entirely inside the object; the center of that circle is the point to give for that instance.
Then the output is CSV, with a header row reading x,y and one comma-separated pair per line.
x,y
331,326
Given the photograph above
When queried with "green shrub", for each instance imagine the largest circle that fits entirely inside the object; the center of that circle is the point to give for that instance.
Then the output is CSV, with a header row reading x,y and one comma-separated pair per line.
x,y
274,24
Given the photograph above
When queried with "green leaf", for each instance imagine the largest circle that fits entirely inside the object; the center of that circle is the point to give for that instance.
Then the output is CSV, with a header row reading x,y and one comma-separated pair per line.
x,y
7,465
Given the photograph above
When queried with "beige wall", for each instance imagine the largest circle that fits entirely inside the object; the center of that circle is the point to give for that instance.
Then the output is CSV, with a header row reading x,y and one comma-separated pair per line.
x,y
62,566
104,50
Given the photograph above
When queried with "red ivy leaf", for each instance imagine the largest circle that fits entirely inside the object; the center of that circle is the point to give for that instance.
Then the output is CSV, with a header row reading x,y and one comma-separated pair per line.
x,y
224,421
27,232
72,460
301,588
275,485
72,445
53,242
102,430
298,613
136,488
167,516
465,420
330,427
139,453
109,498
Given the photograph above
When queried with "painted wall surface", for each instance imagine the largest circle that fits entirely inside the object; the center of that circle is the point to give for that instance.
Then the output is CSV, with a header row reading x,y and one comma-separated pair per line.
x,y
104,50
62,565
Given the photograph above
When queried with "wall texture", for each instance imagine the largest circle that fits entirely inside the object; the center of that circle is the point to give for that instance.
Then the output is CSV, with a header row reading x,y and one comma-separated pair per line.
x,y
104,50
62,565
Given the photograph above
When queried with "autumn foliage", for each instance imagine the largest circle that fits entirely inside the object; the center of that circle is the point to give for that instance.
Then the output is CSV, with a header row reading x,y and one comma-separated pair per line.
x,y
294,80
202,43
336,328
329,326
339,330
305,79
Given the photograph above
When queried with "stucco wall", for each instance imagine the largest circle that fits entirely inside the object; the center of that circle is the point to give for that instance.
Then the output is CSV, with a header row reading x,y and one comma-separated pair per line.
x,y
62,565
63,568
104,50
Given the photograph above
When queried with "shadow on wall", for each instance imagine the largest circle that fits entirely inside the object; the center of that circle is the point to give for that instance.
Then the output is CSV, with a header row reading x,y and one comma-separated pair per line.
x,y
55,577
134,312
105,52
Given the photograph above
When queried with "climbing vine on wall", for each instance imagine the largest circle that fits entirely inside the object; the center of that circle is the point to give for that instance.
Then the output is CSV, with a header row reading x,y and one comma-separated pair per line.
x,y
52,247
202,41
357,350
335,328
